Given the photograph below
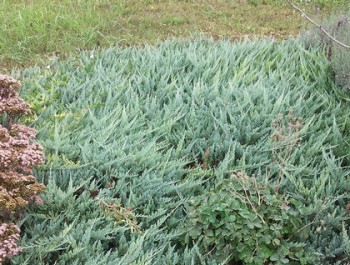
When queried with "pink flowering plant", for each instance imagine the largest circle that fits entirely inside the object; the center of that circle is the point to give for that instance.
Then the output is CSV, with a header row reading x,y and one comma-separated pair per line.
x,y
18,156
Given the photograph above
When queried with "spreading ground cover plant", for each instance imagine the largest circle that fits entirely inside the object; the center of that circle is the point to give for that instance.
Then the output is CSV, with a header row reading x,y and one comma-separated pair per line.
x,y
244,220
136,139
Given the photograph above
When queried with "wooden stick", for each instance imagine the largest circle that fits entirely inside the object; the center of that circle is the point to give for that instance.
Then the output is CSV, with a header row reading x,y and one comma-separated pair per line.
x,y
318,26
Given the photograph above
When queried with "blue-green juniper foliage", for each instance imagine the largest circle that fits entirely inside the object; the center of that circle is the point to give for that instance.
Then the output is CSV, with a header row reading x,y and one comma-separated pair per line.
x,y
136,138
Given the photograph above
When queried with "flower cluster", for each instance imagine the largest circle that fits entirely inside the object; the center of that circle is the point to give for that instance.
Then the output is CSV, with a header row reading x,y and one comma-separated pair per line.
x,y
10,102
18,156
9,235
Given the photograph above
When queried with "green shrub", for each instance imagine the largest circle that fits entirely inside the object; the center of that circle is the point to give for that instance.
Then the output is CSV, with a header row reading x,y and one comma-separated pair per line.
x,y
248,221
147,130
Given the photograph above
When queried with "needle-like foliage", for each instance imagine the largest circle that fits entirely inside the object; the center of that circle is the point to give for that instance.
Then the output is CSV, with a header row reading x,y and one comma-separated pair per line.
x,y
133,136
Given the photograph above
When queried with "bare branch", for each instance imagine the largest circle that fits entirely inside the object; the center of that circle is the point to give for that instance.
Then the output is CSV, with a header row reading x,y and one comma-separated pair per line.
x,y
318,26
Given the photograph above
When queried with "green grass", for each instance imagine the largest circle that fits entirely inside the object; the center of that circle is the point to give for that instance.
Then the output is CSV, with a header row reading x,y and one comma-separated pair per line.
x,y
38,31
149,129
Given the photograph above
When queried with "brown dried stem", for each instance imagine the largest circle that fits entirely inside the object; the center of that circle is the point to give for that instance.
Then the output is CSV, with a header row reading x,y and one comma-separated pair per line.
x,y
318,25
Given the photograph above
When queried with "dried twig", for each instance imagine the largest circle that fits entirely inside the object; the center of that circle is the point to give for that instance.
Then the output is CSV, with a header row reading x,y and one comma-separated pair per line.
x,y
323,206
124,215
239,176
318,26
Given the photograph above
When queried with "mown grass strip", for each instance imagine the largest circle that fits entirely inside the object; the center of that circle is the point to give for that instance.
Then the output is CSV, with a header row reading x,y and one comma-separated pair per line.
x,y
39,31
